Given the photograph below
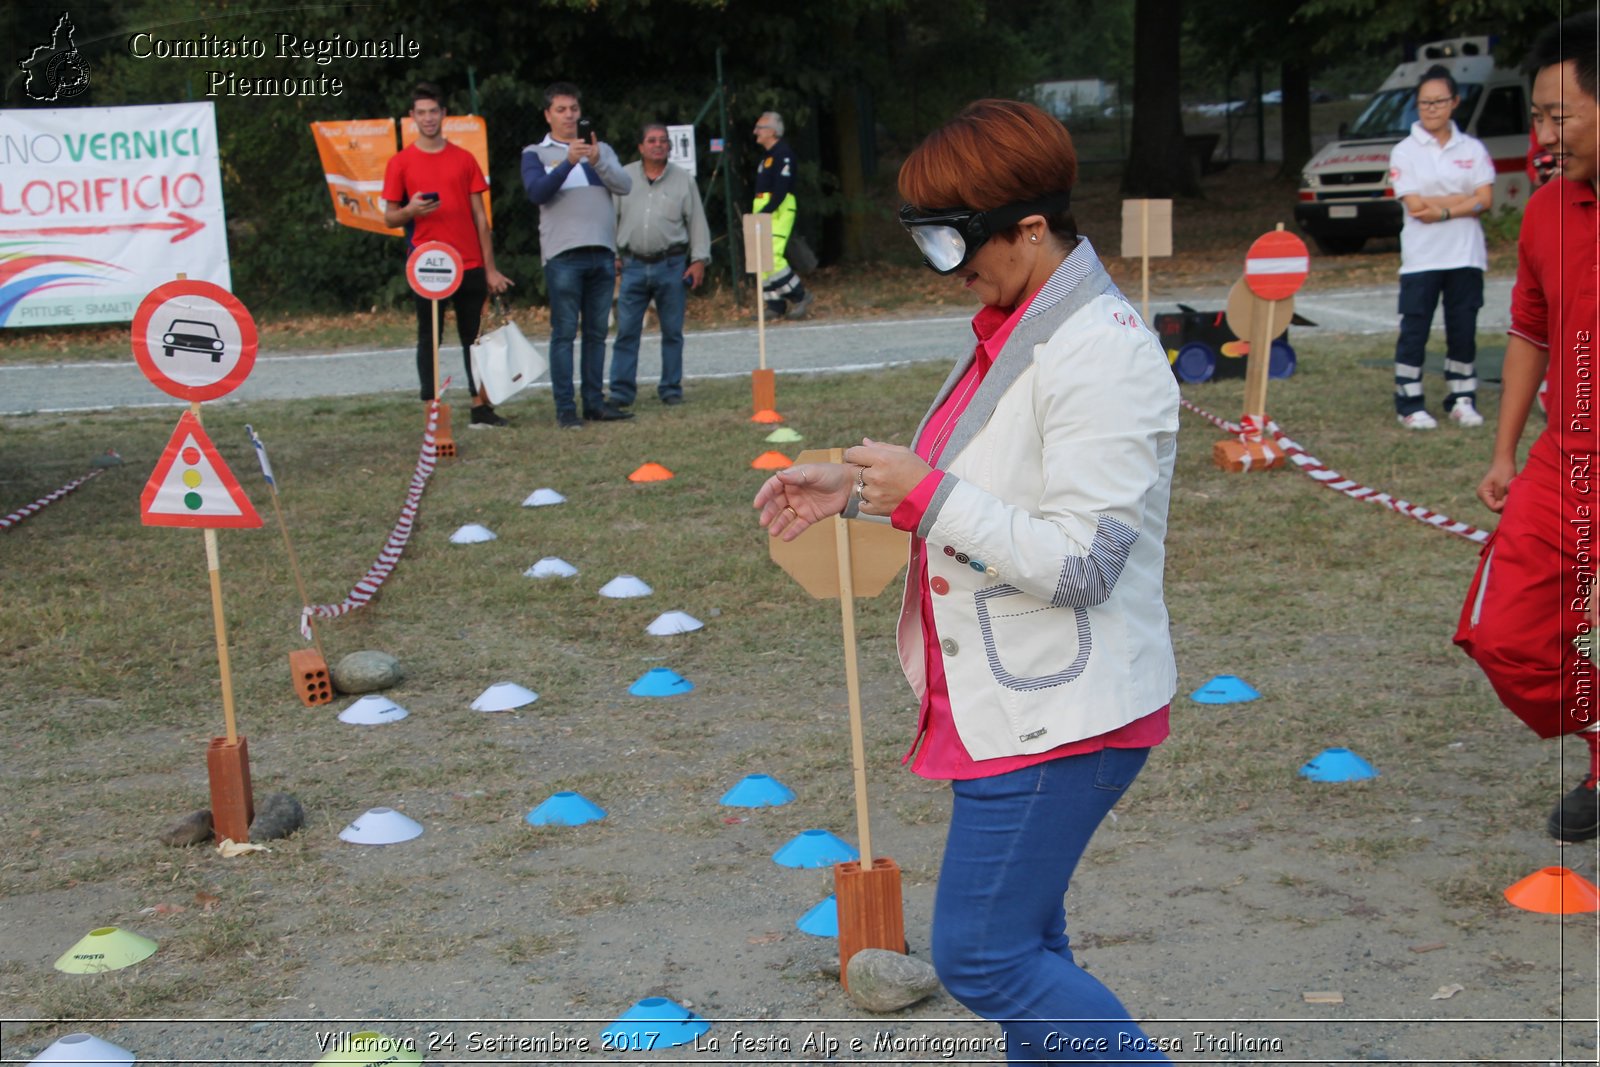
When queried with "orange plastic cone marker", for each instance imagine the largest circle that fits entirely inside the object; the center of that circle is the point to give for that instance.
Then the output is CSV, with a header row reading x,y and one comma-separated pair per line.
x,y
766,415
650,472
1555,891
771,461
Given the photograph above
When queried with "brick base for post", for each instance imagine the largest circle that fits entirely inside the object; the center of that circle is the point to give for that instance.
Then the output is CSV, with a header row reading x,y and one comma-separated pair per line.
x,y
232,806
870,911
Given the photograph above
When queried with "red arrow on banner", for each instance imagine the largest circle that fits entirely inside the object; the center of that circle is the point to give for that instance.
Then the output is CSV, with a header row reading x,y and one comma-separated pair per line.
x,y
186,226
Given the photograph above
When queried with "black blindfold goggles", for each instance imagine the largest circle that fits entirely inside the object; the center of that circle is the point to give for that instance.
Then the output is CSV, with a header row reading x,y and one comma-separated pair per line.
x,y
949,239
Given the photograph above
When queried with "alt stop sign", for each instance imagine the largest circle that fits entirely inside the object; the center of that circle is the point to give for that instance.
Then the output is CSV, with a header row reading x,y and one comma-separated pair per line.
x,y
1276,265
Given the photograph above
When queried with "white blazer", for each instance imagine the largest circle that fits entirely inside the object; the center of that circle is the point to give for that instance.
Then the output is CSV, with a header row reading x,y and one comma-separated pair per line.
x,y
1044,542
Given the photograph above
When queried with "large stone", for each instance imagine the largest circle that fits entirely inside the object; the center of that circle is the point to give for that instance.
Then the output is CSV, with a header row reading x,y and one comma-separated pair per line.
x,y
192,829
880,980
366,672
278,816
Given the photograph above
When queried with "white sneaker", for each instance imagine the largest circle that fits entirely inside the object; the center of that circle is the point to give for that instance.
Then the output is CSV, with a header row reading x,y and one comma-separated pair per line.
x,y
1420,420
1462,413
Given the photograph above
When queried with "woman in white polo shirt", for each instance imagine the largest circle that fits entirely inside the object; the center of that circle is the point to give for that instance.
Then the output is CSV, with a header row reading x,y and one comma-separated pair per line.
x,y
1445,179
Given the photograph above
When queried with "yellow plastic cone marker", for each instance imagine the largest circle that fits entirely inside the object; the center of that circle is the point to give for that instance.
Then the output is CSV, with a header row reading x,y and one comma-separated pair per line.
x,y
106,949
1555,891
766,415
650,472
771,461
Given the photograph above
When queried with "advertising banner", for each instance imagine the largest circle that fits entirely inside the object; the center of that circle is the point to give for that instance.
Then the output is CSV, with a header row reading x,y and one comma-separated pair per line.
x,y
353,157
98,206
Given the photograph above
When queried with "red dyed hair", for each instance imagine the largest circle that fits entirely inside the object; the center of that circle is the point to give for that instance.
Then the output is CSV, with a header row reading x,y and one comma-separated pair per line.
x,y
994,153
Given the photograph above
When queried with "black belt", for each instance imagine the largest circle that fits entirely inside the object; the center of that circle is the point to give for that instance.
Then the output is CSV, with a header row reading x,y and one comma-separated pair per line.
x,y
675,250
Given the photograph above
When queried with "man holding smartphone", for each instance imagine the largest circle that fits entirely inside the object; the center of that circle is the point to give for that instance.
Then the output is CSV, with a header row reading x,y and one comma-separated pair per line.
x,y
434,189
663,246
571,175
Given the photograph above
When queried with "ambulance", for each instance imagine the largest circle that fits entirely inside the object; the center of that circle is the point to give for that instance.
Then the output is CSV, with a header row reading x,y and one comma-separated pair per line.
x,y
1345,195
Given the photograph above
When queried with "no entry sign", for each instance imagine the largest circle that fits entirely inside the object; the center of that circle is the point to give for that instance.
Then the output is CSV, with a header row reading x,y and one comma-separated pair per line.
x,y
434,270
194,340
1276,265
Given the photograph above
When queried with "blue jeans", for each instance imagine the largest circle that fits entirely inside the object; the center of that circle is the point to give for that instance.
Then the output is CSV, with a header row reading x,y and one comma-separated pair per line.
x,y
641,283
999,923
579,284
1420,291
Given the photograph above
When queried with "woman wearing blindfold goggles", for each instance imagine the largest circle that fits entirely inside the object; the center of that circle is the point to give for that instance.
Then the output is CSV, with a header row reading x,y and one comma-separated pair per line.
x,y
1034,630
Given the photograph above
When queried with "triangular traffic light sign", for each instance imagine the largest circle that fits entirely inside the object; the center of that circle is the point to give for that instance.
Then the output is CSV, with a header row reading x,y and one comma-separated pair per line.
x,y
192,486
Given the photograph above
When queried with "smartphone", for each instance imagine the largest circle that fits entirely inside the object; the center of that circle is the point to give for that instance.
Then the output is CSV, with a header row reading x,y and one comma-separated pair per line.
x,y
430,196
585,128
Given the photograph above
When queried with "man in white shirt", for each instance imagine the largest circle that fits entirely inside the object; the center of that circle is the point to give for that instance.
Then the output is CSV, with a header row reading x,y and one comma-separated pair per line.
x,y
1445,179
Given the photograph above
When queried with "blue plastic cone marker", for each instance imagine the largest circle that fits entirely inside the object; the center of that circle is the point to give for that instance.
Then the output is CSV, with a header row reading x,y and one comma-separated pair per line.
x,y
822,920
566,809
653,1023
1224,689
660,682
815,848
758,791
1337,765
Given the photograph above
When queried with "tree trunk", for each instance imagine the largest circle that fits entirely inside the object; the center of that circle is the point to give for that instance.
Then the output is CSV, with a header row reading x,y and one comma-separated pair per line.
x,y
1296,118
1159,163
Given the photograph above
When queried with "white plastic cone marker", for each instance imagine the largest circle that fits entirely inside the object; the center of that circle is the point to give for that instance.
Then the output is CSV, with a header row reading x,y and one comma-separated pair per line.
x,y
543,498
381,826
84,1049
623,586
551,567
472,534
674,622
373,710
370,1047
503,696
106,949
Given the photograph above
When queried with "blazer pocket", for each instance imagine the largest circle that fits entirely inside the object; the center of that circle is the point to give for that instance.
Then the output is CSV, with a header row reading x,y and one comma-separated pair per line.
x,y
1029,644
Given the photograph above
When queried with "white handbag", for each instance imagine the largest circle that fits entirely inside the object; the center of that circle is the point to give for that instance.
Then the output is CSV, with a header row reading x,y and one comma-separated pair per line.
x,y
504,362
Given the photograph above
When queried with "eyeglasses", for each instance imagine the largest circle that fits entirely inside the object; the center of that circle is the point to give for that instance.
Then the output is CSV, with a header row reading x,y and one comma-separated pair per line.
x,y
949,239
1432,104
766,127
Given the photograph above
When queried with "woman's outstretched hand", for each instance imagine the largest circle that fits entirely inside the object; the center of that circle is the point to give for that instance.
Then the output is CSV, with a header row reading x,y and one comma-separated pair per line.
x,y
795,497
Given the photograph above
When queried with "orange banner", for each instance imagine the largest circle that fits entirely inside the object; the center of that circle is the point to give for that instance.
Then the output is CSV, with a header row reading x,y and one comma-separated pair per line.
x,y
464,131
353,157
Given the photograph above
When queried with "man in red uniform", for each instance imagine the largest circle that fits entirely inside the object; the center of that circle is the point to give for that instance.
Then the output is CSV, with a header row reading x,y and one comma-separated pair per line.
x,y
1531,611
435,190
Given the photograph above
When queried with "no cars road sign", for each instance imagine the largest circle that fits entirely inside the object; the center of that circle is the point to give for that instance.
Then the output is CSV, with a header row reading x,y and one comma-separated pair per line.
x,y
194,340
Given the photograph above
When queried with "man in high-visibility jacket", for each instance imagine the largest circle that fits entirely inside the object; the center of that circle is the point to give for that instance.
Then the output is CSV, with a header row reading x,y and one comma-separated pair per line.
x,y
781,289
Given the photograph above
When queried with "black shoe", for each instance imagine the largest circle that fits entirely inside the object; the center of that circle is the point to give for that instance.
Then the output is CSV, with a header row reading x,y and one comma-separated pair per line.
x,y
1577,817
672,399
568,420
483,415
608,413
802,307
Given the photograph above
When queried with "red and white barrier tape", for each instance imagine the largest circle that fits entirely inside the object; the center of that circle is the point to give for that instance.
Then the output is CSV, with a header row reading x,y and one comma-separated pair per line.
x,y
389,555
1325,476
27,512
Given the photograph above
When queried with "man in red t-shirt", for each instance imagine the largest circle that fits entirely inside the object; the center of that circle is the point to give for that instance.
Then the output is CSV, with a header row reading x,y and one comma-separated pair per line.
x,y
435,190
1531,610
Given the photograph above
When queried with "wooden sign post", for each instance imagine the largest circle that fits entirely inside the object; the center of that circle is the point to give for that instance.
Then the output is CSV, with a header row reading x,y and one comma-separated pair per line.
x,y
434,270
1259,308
206,342
308,667
1146,232
846,559
758,260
